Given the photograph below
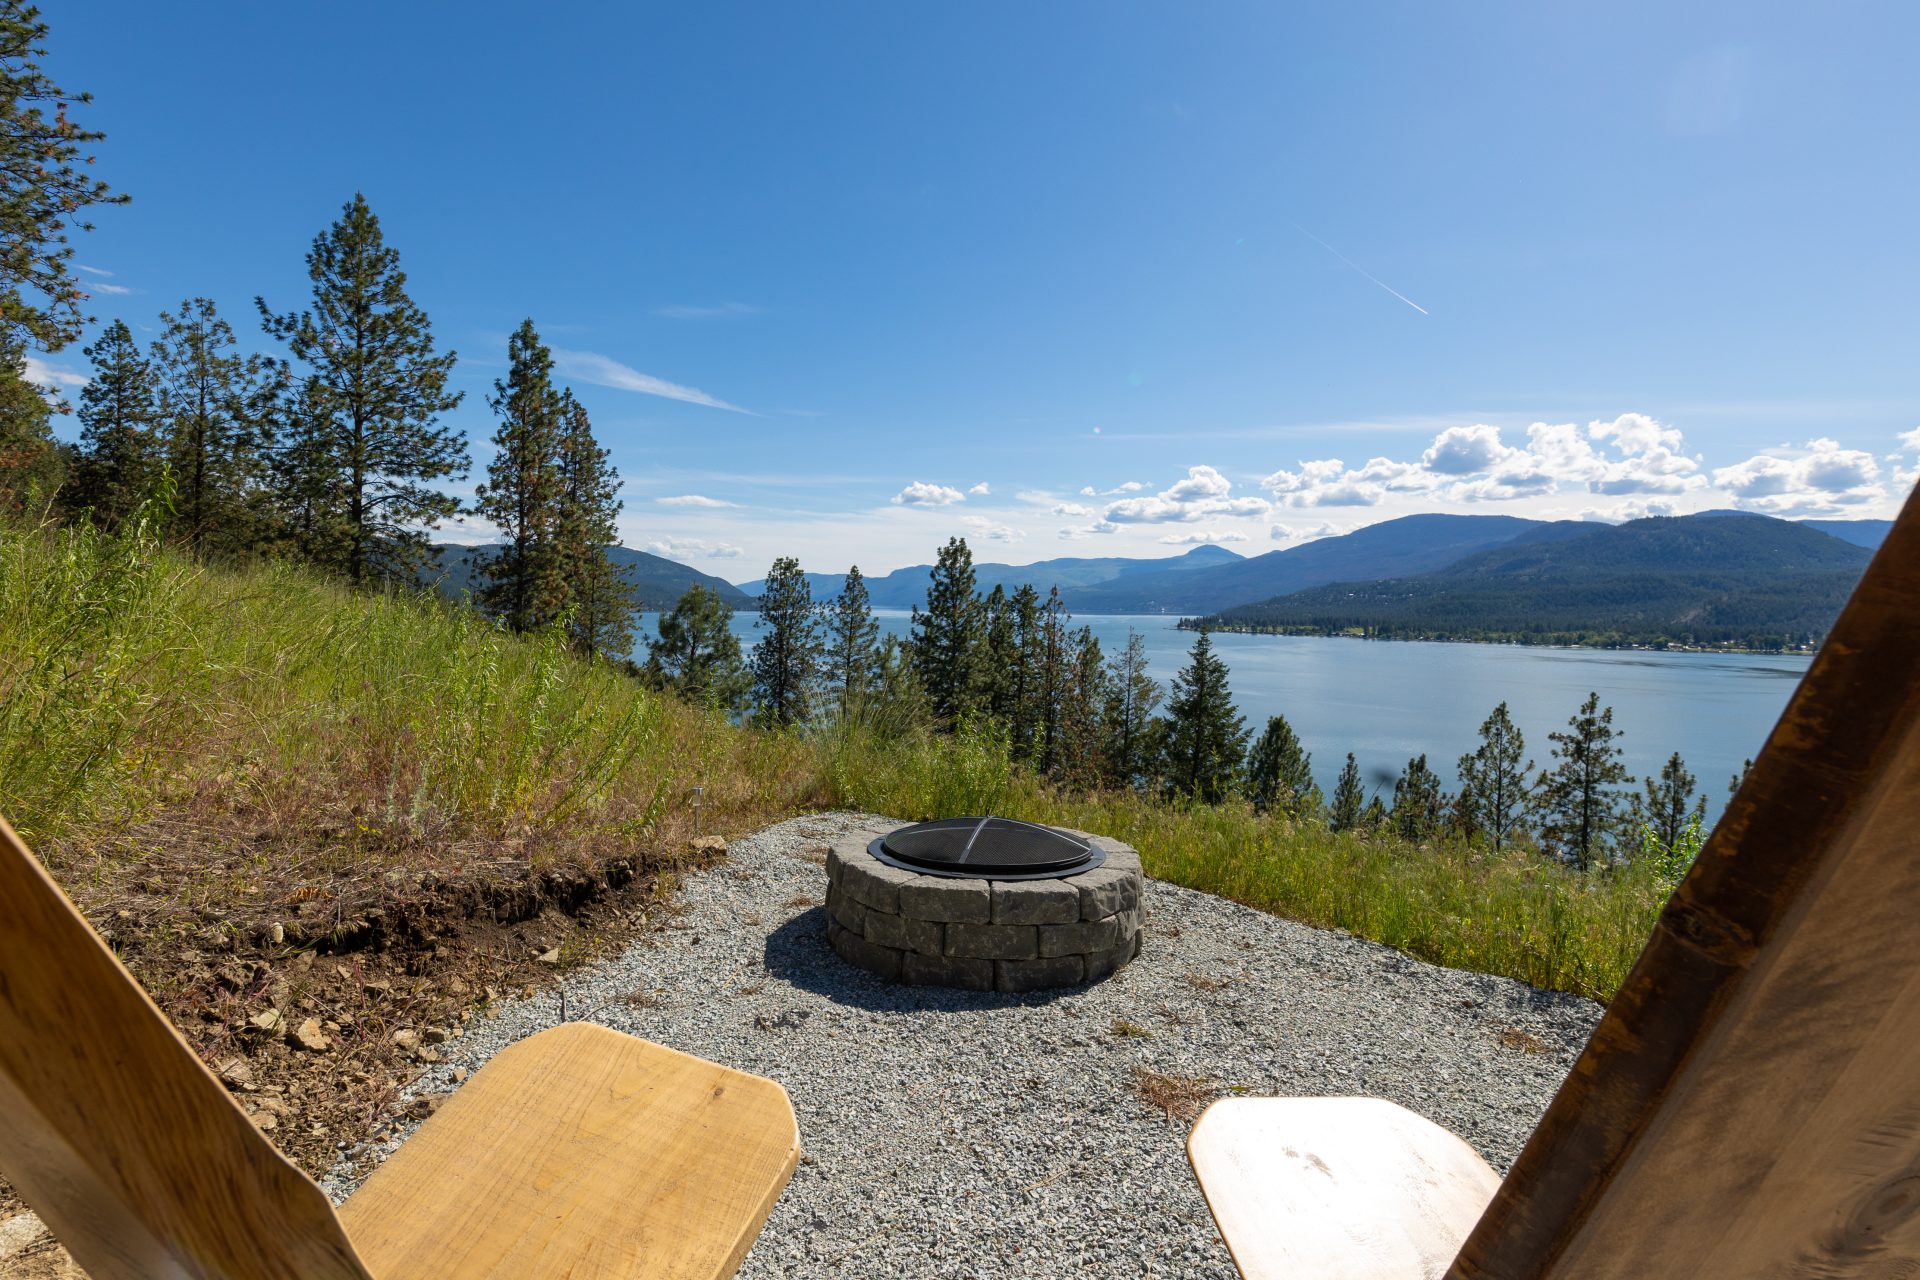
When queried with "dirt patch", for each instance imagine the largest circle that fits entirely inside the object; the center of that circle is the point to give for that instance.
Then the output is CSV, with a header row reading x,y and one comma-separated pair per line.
x,y
316,1019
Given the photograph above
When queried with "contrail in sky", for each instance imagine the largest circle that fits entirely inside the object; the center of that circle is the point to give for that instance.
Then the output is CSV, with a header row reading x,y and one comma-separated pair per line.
x,y
1362,270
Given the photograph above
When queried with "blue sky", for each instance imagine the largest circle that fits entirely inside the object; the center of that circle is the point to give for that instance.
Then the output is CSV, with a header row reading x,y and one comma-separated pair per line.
x,y
841,280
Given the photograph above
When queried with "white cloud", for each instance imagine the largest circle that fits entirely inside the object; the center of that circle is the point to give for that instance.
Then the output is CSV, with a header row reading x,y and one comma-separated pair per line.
x,y
922,494
1288,533
101,286
1208,538
721,311
694,549
92,271
1204,492
1095,529
986,528
981,488
1088,491
1910,440
1071,509
604,371
1466,451
693,500
1819,478
1637,509
42,374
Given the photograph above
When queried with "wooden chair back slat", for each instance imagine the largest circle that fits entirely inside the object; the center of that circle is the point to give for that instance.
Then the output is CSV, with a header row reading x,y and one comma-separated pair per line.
x,y
113,1130
1749,1106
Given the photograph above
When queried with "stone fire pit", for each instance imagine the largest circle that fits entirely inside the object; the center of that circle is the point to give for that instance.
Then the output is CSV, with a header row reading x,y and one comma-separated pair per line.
x,y
1009,928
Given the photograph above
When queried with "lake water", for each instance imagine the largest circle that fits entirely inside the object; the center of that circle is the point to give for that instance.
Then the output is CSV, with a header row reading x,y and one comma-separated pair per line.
x,y
1387,701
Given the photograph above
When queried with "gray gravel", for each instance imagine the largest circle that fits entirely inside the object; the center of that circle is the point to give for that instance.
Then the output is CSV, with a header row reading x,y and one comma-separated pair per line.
x,y
955,1134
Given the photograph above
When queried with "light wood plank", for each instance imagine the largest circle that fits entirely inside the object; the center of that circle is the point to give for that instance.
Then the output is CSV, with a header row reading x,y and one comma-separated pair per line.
x,y
584,1153
112,1130
1336,1188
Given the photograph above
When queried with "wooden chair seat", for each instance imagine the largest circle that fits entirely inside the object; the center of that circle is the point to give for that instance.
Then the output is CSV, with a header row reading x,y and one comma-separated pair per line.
x,y
1749,1104
579,1152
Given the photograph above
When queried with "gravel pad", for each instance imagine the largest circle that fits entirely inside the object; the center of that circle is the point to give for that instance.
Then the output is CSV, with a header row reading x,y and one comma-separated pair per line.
x,y
960,1134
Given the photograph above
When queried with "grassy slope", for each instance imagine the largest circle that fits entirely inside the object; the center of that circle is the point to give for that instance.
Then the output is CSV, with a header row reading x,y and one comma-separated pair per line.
x,y
191,739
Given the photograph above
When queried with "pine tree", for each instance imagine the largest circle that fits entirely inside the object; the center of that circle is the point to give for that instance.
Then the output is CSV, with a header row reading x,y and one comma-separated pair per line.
x,y
44,195
1132,696
696,654
1025,700
1082,735
524,579
1280,772
1002,656
1056,674
32,464
1736,781
1348,809
376,389
1493,780
597,590
1418,801
119,416
216,408
948,648
1671,802
1206,737
786,660
1581,807
853,655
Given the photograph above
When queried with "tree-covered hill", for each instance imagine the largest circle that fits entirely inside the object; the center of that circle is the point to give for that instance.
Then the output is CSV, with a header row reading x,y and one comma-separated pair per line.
x,y
657,581
1711,579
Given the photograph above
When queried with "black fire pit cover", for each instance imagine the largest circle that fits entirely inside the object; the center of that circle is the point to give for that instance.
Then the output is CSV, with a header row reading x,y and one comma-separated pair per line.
x,y
987,849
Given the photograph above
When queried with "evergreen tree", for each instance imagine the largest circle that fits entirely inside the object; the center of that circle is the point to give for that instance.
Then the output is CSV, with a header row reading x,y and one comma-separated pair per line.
x,y
1083,741
948,640
119,415
1739,779
1418,801
696,654
1493,780
524,579
44,195
1206,737
1002,656
1375,815
898,705
1579,800
32,464
853,656
597,591
216,406
1280,772
1671,802
376,389
308,499
1056,675
1348,809
1132,696
1026,702
787,658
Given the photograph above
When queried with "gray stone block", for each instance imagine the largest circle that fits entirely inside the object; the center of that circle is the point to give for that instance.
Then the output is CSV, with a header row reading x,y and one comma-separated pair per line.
x,y
1128,922
1106,890
938,898
1101,964
924,936
1121,856
857,951
946,971
993,941
845,912
872,882
1035,902
1038,975
1079,938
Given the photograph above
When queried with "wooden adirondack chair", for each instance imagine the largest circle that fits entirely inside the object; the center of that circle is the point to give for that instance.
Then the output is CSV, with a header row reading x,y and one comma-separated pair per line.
x,y
578,1152
1749,1105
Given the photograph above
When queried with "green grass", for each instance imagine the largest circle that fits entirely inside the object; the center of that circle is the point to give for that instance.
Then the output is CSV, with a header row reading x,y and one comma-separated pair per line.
x,y
213,734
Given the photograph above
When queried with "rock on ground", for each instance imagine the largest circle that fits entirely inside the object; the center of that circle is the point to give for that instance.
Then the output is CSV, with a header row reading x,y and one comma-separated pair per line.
x,y
959,1134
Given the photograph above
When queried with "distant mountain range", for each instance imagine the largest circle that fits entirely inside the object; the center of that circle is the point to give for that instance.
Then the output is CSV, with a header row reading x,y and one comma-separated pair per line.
x,y
907,588
1713,578
657,581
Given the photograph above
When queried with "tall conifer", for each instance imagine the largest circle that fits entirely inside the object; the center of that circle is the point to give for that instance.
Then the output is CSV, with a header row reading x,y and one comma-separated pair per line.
x,y
1280,772
1206,737
1418,801
1348,808
216,410
120,456
1581,805
948,637
853,655
1672,801
374,390
1132,696
524,579
787,656
696,655
1494,789
597,591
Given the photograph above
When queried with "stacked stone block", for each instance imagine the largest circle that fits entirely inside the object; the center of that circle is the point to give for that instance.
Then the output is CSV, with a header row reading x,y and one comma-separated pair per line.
x,y
984,935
